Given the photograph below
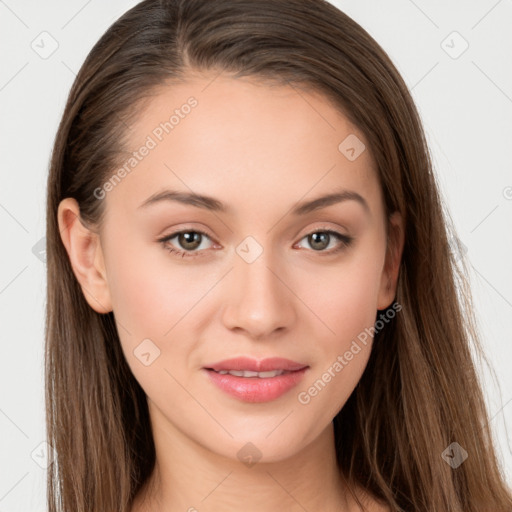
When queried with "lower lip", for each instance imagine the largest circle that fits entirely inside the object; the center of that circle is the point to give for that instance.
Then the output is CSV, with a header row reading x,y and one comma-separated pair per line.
x,y
254,389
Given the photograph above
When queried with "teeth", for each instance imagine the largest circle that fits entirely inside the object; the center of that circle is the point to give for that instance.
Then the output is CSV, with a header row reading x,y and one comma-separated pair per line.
x,y
247,373
273,373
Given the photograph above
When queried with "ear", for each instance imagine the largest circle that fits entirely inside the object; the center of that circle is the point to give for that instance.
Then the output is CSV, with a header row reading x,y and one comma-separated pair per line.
x,y
85,255
395,246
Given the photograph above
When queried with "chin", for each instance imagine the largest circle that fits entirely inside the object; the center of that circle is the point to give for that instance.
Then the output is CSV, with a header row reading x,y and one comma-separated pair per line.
x,y
250,449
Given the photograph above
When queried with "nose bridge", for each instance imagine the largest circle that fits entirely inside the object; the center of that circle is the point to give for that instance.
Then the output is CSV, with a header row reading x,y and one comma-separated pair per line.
x,y
259,301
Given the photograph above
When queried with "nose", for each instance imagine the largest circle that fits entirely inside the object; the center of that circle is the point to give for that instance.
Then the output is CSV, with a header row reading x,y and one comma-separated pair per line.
x,y
260,300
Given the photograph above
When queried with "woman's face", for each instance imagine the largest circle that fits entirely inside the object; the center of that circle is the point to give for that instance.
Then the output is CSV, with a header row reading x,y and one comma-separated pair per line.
x,y
248,278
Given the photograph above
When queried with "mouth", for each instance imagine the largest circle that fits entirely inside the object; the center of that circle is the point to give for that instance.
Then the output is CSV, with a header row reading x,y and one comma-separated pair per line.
x,y
255,387
250,374
249,364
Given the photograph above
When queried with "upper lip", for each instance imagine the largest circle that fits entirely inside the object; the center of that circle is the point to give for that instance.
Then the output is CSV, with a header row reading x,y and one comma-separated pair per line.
x,y
255,365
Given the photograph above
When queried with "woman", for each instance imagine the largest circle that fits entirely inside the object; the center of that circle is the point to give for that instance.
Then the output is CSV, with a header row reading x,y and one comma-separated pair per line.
x,y
252,302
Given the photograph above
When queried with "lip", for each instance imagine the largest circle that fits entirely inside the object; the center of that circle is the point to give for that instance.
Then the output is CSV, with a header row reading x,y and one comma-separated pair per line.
x,y
254,365
256,389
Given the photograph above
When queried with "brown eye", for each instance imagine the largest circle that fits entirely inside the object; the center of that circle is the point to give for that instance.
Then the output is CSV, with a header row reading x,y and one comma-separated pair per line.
x,y
189,240
186,244
320,240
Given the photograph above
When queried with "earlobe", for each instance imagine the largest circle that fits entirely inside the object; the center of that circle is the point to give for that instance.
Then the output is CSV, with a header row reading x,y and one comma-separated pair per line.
x,y
85,255
393,259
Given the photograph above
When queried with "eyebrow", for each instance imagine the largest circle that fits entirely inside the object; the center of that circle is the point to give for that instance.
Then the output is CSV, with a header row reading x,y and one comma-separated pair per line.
x,y
212,204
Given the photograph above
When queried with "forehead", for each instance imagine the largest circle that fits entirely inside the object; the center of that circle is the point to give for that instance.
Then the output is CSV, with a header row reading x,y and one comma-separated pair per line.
x,y
251,144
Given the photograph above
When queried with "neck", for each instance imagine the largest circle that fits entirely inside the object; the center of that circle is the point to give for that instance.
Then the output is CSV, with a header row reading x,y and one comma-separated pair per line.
x,y
188,477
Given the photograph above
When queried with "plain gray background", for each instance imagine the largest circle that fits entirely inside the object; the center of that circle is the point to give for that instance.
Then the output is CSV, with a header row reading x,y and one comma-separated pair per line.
x,y
454,56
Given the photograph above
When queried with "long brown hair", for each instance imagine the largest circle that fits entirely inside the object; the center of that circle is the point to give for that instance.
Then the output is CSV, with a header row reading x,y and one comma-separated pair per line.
x,y
419,393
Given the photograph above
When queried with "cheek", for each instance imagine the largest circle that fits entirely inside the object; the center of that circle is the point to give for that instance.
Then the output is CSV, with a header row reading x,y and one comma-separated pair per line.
x,y
143,301
150,292
342,355
153,303
156,299
345,300
137,290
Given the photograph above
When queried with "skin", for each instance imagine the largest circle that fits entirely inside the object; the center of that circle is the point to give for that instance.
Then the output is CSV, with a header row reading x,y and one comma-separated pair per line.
x,y
260,150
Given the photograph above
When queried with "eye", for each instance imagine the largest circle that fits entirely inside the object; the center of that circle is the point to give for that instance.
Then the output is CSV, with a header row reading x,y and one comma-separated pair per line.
x,y
190,240
320,239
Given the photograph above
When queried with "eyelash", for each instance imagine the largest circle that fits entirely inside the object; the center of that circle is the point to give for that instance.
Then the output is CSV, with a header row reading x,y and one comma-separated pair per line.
x,y
345,241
